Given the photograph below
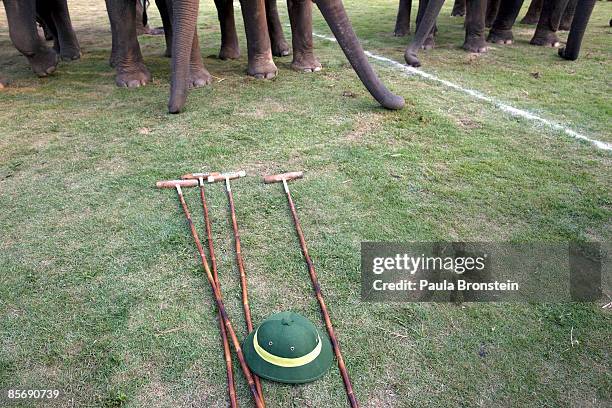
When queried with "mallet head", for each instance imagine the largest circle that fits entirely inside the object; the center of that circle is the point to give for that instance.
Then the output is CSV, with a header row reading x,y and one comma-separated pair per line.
x,y
226,176
279,178
176,183
197,176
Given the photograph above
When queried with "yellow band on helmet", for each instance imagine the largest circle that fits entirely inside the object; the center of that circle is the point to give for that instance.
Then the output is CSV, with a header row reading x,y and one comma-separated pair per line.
x,y
284,361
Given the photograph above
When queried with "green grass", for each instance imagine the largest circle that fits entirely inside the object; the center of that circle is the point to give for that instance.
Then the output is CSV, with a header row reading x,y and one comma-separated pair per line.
x,y
101,293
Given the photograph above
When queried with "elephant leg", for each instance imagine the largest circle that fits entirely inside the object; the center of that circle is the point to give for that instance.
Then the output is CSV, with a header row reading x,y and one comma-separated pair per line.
x,y
21,16
300,15
458,9
165,14
492,10
429,42
402,23
47,33
582,14
114,55
141,19
501,32
44,17
533,12
425,28
475,26
546,30
126,58
280,48
198,74
230,49
261,64
57,11
568,16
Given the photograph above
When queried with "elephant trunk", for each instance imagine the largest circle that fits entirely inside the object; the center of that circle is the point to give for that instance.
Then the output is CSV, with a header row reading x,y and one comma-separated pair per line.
x,y
184,16
584,8
334,13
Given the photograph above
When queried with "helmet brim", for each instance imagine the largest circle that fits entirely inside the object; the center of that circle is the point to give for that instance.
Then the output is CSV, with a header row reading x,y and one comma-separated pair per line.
x,y
290,375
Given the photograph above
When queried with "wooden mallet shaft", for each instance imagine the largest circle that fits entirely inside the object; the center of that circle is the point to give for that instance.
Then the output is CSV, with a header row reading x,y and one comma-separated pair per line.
x,y
219,299
231,386
239,259
278,178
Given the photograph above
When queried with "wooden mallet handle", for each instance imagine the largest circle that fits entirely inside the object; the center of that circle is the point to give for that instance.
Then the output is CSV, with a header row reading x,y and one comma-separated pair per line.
x,y
197,176
213,178
277,178
174,183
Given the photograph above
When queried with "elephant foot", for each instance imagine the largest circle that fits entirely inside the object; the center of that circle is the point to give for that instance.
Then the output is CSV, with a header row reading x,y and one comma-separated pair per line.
x,y
429,43
563,53
280,48
199,76
305,62
401,31
228,52
133,76
156,31
411,58
70,53
262,67
475,44
46,33
545,38
458,10
44,62
530,20
501,37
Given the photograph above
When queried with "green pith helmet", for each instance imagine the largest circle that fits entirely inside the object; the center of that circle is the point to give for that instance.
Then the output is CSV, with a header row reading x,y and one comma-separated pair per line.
x,y
287,348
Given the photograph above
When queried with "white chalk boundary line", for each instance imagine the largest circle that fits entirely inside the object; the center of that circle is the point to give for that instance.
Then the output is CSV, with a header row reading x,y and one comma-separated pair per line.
x,y
511,110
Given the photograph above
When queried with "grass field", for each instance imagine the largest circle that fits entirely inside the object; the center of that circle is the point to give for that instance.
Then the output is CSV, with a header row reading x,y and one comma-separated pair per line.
x,y
102,296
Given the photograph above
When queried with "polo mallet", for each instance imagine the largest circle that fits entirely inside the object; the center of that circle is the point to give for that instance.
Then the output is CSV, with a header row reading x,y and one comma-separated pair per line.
x,y
239,260
231,387
177,184
284,178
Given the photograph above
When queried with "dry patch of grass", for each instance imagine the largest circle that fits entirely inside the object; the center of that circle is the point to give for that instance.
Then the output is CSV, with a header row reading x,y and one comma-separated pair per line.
x,y
365,124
